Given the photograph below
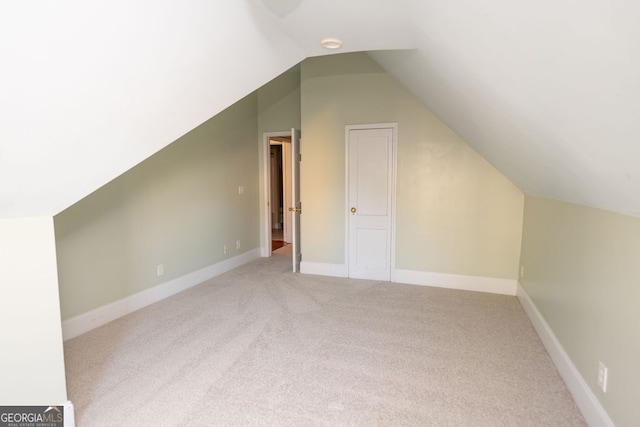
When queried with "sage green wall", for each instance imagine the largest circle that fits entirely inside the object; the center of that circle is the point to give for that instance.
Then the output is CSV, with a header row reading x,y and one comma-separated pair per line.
x,y
582,270
279,103
455,213
178,208
278,110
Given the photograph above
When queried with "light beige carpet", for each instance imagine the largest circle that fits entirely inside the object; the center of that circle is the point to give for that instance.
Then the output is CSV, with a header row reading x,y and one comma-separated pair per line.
x,y
262,346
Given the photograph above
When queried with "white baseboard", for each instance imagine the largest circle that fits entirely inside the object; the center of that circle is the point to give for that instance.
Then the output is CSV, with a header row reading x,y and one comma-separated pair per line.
x,y
85,322
69,414
457,281
587,402
411,277
323,269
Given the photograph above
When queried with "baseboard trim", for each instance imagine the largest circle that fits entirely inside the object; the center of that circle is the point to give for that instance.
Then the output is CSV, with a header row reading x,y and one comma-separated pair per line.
x,y
424,278
457,281
323,269
69,414
591,408
85,322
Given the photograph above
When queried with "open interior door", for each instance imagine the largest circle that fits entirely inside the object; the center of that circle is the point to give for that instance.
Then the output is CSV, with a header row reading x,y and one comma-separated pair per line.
x,y
296,206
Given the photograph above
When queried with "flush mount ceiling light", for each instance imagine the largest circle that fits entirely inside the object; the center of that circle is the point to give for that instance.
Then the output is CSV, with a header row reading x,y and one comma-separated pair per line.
x,y
331,43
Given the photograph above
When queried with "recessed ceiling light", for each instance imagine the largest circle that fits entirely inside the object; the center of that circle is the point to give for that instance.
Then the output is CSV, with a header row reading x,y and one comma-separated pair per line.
x,y
331,43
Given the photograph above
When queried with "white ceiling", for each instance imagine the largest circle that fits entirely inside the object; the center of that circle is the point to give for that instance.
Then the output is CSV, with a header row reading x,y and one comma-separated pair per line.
x,y
547,91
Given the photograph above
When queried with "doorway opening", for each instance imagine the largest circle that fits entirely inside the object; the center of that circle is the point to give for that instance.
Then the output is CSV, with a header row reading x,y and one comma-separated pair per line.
x,y
291,207
280,194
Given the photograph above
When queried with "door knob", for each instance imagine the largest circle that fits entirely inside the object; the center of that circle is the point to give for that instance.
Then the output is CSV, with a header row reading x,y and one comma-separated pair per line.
x,y
353,210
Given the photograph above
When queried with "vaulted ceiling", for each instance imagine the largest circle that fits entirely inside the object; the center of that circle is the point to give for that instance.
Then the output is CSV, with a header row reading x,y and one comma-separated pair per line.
x,y
547,91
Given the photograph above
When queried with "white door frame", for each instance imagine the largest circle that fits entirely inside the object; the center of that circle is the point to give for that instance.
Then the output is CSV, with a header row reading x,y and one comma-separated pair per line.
x,y
394,164
265,250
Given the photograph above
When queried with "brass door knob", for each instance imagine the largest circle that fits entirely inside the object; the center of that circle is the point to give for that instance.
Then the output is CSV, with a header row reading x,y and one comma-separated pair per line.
x,y
353,210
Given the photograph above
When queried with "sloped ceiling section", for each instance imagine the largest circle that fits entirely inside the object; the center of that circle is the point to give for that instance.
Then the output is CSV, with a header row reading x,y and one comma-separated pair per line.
x,y
547,91
91,88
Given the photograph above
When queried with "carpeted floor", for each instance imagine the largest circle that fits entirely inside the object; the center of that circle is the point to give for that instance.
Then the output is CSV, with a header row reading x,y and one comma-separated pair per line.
x,y
262,346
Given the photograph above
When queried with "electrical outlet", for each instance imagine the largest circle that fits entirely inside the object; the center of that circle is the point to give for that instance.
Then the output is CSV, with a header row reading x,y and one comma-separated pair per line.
x,y
603,376
226,249
160,269
237,244
241,190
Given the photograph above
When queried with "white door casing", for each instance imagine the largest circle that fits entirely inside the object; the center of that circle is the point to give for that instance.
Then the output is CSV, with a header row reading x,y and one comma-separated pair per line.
x,y
370,201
